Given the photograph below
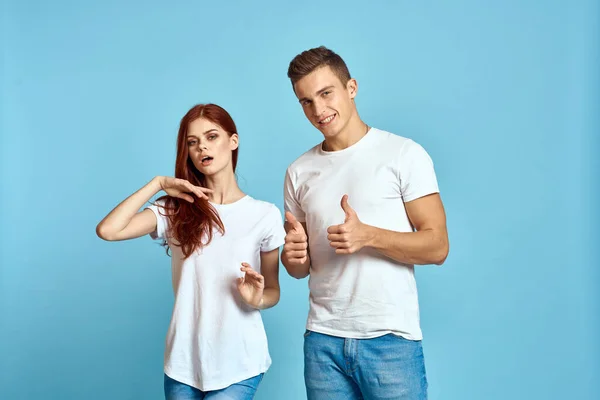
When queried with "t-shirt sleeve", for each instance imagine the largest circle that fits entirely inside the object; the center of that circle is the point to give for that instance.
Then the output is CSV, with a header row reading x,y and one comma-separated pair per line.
x,y
274,234
416,172
290,200
161,221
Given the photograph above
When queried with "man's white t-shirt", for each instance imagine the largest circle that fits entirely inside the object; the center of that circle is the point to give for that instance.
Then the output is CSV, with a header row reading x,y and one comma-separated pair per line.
x,y
366,294
214,338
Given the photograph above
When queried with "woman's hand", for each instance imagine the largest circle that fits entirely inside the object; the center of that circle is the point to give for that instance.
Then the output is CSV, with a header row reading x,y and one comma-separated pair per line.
x,y
251,286
180,188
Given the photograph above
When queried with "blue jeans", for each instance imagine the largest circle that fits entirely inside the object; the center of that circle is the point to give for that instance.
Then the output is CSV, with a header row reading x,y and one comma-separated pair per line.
x,y
386,367
243,390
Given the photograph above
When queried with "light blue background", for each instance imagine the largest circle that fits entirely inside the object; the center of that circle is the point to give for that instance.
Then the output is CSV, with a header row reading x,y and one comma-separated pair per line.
x,y
504,96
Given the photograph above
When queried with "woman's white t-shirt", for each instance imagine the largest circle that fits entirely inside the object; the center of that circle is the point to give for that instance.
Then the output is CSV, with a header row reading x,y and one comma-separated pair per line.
x,y
214,338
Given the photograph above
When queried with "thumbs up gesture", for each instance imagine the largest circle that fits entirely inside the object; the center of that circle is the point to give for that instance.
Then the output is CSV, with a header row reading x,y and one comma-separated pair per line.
x,y
296,241
349,237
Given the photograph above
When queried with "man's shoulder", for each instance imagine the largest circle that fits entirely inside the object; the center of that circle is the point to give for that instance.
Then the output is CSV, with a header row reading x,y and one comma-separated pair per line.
x,y
392,140
397,150
305,159
399,147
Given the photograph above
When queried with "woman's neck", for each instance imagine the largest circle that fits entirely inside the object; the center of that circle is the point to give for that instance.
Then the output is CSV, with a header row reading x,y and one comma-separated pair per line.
x,y
225,188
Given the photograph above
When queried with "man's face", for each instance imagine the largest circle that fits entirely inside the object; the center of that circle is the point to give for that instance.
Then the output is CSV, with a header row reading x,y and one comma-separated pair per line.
x,y
327,102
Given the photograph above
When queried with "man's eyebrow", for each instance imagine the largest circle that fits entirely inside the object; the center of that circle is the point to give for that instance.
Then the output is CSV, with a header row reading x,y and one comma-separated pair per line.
x,y
318,92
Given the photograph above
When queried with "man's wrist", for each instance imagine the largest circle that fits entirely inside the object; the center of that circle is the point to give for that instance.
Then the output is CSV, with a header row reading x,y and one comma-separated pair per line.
x,y
371,235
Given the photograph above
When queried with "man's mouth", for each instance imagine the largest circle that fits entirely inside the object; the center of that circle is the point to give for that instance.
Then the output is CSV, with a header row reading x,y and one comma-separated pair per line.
x,y
326,121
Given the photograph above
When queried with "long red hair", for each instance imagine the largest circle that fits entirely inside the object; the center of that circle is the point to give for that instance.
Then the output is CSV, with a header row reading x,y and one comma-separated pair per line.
x,y
192,224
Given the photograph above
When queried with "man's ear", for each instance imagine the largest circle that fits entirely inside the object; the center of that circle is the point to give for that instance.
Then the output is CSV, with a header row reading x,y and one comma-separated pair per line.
x,y
352,87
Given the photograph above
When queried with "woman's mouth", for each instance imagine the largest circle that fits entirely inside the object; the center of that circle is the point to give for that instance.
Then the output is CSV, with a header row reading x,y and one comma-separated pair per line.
x,y
206,161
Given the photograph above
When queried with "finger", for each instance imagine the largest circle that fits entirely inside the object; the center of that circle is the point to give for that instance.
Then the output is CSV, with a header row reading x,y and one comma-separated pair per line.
x,y
346,207
289,217
340,245
251,275
188,185
247,267
191,188
250,272
186,197
296,238
255,276
295,246
294,250
336,229
298,260
337,237
200,192
296,254
205,190
182,183
200,195
256,281
344,251
185,187
245,264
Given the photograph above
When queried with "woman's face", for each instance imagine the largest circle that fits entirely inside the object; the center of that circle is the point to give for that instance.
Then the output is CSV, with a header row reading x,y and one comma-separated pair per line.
x,y
210,147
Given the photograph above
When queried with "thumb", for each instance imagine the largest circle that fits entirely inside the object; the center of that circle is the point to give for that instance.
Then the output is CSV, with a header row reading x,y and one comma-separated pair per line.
x,y
350,213
289,217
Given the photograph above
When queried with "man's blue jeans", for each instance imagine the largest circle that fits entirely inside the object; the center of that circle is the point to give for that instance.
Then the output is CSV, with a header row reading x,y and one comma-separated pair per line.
x,y
386,367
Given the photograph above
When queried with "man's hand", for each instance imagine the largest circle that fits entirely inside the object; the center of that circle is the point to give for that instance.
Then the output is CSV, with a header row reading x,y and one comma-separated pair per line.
x,y
352,235
296,242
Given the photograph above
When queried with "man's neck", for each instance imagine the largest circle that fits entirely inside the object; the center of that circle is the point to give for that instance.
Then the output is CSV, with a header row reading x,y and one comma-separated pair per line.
x,y
350,135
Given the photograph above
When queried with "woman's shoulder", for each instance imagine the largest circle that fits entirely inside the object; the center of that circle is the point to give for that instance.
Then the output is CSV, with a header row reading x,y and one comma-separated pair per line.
x,y
262,206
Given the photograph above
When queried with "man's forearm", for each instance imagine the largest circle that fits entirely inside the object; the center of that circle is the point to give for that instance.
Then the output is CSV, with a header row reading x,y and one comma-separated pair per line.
x,y
421,248
298,271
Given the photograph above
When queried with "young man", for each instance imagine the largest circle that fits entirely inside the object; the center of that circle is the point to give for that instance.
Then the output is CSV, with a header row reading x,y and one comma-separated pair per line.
x,y
362,208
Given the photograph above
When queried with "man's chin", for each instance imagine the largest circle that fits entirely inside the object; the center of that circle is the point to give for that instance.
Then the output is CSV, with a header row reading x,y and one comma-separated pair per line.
x,y
328,134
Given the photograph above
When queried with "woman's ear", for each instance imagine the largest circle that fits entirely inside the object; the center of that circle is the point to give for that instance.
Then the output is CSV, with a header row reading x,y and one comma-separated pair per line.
x,y
234,141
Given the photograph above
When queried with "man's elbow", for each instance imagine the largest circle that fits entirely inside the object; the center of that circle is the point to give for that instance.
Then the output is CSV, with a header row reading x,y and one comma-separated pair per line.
x,y
441,254
296,272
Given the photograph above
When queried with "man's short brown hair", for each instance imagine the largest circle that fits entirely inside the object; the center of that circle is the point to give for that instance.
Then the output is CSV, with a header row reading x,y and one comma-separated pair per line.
x,y
310,60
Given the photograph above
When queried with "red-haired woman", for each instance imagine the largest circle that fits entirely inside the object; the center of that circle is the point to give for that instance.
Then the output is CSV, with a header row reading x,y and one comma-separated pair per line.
x,y
225,261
